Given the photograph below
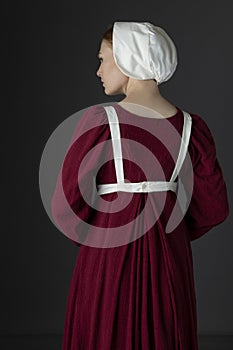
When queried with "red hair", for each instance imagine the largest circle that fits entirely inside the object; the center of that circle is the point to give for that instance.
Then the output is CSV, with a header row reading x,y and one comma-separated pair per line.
x,y
107,35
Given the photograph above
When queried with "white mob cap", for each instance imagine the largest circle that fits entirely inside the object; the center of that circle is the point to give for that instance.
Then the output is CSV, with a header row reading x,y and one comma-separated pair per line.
x,y
143,51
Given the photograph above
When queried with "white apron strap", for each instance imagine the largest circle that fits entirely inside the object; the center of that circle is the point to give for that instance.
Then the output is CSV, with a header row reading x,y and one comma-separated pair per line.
x,y
116,142
144,186
184,144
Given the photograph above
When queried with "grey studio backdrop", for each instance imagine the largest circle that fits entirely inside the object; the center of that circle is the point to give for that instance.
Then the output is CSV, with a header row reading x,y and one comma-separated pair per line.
x,y
51,74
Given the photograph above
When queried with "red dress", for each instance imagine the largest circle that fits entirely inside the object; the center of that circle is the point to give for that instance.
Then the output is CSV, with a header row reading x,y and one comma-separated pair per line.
x,y
141,295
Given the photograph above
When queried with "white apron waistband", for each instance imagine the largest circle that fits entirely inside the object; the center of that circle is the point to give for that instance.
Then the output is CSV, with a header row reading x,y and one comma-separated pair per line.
x,y
143,186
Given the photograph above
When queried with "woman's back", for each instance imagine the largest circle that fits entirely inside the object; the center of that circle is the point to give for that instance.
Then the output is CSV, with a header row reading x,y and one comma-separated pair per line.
x,y
139,295
150,109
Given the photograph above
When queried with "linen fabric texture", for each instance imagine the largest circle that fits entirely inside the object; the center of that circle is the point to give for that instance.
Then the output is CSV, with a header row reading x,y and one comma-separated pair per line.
x,y
144,51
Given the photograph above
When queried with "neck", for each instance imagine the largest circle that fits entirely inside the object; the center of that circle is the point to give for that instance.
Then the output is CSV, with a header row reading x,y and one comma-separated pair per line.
x,y
146,93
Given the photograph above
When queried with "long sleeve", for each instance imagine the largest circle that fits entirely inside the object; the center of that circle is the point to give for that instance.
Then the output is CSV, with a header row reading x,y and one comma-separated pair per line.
x,y
209,202
78,172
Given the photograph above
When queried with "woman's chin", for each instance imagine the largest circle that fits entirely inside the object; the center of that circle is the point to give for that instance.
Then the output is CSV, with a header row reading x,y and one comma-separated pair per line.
x,y
107,92
110,92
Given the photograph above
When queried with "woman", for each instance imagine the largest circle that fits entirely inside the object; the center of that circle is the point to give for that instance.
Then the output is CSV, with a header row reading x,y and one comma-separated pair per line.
x,y
140,92
138,294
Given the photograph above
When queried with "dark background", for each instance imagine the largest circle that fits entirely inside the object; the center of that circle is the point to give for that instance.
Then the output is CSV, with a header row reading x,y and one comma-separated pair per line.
x,y
50,50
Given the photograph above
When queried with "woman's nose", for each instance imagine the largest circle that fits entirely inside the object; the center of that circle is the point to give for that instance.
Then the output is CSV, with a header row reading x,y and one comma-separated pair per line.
x,y
98,72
